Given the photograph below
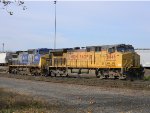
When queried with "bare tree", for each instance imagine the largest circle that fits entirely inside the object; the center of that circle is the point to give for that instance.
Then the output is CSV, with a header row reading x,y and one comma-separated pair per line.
x,y
7,3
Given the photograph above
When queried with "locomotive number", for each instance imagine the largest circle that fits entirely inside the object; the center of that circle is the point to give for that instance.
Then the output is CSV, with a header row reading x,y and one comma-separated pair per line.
x,y
111,57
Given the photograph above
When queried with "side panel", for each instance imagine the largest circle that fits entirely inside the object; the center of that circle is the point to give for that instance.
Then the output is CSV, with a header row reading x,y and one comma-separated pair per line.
x,y
25,59
37,59
19,59
30,59
78,59
94,59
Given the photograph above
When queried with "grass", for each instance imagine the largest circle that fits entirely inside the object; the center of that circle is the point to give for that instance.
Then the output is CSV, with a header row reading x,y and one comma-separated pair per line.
x,y
147,78
11,102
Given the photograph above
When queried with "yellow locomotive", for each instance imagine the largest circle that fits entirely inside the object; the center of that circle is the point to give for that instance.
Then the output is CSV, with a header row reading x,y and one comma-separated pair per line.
x,y
106,61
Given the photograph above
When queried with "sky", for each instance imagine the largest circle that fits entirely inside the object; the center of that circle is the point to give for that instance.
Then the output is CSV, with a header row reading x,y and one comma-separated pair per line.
x,y
79,23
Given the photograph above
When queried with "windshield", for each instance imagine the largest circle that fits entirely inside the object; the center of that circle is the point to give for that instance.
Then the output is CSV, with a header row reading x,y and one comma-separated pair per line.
x,y
14,56
125,49
121,49
30,52
130,49
43,51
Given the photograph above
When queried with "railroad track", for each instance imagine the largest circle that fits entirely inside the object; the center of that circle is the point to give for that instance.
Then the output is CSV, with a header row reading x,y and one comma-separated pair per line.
x,y
137,84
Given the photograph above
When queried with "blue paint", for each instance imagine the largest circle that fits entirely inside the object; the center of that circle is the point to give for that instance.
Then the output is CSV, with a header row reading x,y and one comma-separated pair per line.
x,y
25,59
37,58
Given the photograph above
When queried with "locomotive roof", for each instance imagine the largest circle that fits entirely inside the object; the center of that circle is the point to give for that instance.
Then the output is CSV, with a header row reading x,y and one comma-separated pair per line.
x,y
89,47
31,49
109,46
18,52
60,50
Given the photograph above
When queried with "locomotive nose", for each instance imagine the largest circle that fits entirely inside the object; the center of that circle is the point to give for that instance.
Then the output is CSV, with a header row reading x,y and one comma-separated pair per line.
x,y
131,59
136,60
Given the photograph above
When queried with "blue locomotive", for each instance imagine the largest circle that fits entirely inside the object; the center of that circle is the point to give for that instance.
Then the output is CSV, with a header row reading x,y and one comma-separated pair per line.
x,y
32,56
25,62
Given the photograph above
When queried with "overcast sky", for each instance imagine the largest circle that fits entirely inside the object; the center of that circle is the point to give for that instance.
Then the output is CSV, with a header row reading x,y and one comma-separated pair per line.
x,y
78,24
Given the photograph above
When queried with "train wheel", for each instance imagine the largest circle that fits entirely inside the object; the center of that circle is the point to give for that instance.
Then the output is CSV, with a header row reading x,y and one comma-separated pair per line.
x,y
54,73
97,73
101,75
106,76
16,72
47,73
66,74
98,76
130,77
58,74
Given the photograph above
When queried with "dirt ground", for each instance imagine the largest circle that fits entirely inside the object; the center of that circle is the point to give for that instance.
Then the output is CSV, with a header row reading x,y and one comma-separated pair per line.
x,y
80,98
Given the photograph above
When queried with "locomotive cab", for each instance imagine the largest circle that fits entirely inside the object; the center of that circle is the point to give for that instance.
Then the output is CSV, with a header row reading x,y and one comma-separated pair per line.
x,y
125,56
129,57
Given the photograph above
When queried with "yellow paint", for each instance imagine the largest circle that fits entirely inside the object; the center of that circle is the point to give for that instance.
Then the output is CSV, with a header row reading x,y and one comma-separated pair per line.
x,y
102,59
43,61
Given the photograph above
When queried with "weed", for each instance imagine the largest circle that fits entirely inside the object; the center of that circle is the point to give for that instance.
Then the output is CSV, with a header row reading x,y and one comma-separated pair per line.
x,y
11,102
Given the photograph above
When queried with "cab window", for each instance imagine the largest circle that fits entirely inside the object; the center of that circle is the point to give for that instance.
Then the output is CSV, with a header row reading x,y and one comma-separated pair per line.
x,y
111,50
121,49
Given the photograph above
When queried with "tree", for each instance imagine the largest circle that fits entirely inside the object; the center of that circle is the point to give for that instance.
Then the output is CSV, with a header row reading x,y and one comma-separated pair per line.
x,y
7,3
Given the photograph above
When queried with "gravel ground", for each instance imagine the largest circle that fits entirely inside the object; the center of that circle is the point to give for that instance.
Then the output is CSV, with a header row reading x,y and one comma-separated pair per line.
x,y
88,81
83,99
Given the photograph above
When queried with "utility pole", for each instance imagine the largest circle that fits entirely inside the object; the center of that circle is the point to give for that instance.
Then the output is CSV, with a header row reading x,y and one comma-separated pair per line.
x,y
3,47
55,27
